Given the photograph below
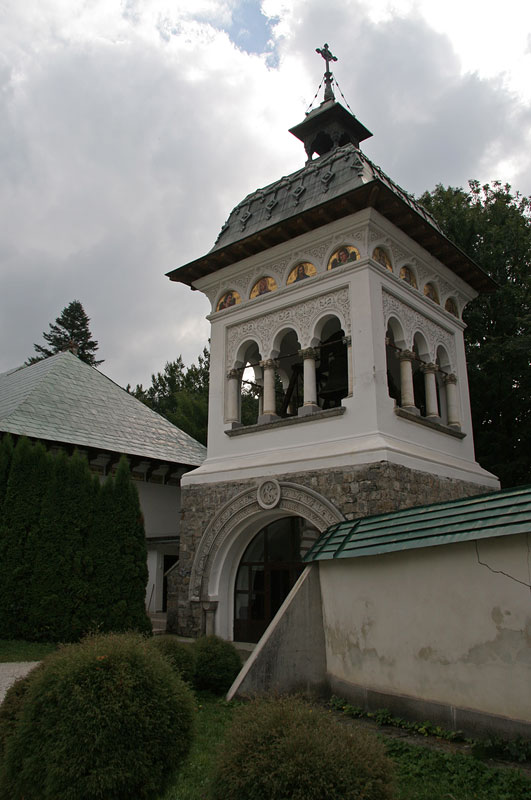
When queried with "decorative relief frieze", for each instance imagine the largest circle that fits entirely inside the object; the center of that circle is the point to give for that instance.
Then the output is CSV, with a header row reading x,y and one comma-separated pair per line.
x,y
412,322
302,317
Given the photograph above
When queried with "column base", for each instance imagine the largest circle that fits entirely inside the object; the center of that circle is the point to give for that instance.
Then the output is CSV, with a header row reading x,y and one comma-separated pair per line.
x,y
263,418
306,410
434,418
411,410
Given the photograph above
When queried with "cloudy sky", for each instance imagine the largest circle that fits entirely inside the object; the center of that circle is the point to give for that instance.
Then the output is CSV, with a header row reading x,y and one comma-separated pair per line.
x,y
130,128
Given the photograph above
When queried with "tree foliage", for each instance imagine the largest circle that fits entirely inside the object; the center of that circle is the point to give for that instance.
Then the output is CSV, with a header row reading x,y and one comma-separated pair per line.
x,y
492,225
72,555
181,395
70,331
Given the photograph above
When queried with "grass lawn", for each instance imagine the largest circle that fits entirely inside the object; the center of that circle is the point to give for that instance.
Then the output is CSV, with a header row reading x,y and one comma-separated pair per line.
x,y
14,650
422,774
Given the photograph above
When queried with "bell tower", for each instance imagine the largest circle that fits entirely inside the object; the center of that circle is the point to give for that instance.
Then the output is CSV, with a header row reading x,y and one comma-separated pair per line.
x,y
338,383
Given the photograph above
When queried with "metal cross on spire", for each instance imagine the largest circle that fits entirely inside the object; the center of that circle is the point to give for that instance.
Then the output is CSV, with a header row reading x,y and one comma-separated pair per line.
x,y
328,57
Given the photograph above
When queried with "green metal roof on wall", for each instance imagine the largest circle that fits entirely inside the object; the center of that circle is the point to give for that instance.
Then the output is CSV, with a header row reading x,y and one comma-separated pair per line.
x,y
62,399
481,517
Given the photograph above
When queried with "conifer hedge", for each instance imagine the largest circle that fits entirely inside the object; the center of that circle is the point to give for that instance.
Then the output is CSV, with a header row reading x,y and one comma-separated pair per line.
x,y
72,553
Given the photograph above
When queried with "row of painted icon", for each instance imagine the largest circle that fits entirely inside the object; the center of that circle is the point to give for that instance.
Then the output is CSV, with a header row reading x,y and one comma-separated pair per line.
x,y
344,255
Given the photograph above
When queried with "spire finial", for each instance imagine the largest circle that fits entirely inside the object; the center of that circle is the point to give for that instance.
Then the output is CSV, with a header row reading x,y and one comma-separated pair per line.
x,y
328,57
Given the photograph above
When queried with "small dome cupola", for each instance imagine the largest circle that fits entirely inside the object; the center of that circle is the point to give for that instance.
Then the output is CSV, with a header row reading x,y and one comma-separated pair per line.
x,y
330,125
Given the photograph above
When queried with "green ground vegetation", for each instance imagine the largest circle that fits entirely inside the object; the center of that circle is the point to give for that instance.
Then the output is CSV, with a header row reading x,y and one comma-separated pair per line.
x,y
19,650
421,773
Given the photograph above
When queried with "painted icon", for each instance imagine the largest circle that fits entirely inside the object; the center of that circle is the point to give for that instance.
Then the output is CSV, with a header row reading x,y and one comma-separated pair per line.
x,y
229,299
301,271
382,258
343,256
431,292
408,276
263,286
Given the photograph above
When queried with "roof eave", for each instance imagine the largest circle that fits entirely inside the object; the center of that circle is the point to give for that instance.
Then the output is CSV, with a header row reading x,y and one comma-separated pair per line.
x,y
375,194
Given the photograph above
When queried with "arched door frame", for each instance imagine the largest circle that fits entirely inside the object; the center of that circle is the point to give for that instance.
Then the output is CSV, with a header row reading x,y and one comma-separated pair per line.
x,y
226,537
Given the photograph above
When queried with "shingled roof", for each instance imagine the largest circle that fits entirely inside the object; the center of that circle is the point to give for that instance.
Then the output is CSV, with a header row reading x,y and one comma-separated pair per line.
x,y
61,399
334,185
469,518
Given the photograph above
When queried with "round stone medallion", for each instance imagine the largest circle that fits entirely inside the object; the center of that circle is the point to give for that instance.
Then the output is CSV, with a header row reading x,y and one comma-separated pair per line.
x,y
268,494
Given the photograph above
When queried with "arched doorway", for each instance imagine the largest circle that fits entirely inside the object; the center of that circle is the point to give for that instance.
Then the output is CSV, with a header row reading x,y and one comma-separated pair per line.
x,y
269,568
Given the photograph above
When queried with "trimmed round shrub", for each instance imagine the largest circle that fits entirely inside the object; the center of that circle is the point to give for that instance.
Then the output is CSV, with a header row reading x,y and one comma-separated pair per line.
x,y
217,664
180,656
280,748
105,718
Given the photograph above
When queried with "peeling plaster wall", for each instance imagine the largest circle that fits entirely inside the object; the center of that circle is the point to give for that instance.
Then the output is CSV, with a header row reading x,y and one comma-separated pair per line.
x,y
435,624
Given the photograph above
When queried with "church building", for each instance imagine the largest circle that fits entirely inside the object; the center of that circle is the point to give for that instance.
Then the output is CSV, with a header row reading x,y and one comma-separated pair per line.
x,y
338,384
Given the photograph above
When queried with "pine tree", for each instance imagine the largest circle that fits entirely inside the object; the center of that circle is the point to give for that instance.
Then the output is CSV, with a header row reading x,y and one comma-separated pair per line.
x,y
6,454
19,529
101,556
69,332
58,590
131,570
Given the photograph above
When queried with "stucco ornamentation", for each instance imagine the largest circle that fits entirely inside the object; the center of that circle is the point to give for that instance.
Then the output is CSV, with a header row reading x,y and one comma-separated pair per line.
x,y
268,493
293,499
412,322
300,316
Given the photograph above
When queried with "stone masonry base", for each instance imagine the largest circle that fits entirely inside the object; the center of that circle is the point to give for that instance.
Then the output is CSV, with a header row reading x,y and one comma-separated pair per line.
x,y
358,491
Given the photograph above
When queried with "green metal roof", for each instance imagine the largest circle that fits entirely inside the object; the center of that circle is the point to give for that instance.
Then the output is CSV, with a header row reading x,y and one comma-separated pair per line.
x,y
62,399
481,517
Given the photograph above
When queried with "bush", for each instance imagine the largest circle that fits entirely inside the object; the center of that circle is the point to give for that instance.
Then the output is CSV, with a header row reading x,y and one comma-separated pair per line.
x,y
217,664
181,657
104,718
279,748
11,706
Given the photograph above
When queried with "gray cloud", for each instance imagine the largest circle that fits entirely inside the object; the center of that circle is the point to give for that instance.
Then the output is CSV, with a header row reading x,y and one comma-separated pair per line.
x,y
122,156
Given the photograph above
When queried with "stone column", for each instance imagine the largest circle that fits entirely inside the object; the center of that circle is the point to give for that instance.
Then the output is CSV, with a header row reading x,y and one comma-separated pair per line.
x,y
233,390
452,404
407,394
347,341
269,408
310,386
209,608
430,386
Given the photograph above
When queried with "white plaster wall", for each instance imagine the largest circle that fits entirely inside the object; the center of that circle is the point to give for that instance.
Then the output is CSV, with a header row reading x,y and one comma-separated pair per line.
x,y
369,431
161,505
435,624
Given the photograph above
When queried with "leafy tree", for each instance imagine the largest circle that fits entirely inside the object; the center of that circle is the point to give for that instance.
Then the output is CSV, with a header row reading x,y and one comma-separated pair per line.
x,y
181,395
70,330
492,225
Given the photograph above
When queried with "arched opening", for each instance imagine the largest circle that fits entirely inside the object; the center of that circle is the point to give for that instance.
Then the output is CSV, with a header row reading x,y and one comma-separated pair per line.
x,y
288,379
420,349
332,369
444,368
244,400
394,343
268,569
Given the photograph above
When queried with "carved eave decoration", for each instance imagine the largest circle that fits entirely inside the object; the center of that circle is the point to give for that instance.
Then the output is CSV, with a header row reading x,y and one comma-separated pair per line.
x,y
376,194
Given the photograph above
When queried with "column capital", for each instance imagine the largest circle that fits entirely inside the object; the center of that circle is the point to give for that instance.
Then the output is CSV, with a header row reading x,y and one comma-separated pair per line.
x,y
269,363
430,367
234,373
406,355
310,352
347,340
451,377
